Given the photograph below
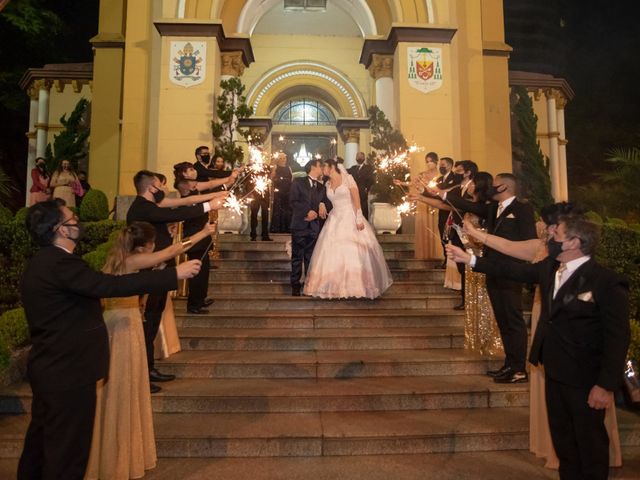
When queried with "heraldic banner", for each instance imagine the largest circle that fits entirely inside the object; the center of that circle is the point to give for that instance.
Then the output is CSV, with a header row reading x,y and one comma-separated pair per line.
x,y
425,68
187,63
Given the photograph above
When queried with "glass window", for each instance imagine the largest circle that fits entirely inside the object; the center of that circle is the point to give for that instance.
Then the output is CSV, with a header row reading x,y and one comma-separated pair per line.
x,y
304,112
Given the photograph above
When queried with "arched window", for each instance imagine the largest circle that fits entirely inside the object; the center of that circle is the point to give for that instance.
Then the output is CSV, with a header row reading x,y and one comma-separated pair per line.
x,y
304,112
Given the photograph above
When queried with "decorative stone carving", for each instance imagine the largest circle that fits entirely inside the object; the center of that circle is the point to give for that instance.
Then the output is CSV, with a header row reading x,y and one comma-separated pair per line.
x,y
557,95
32,91
232,64
351,135
381,66
59,85
42,84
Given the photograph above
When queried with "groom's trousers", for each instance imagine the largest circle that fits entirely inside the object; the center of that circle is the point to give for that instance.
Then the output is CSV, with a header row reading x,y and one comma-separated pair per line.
x,y
301,249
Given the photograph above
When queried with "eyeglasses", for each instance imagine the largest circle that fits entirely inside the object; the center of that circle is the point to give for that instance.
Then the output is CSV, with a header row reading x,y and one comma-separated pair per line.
x,y
65,223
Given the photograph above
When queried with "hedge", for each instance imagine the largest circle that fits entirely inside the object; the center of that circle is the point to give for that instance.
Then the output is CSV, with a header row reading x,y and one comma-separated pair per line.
x,y
5,214
14,333
94,206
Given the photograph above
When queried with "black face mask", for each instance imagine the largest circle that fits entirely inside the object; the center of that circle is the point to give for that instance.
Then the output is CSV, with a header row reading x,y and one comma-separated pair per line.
x,y
493,191
80,229
158,196
554,248
443,170
41,166
205,158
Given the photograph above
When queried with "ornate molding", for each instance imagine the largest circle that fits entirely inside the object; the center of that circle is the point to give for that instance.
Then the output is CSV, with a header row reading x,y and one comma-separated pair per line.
x,y
496,49
404,34
42,84
537,82
350,135
208,29
58,74
232,64
381,66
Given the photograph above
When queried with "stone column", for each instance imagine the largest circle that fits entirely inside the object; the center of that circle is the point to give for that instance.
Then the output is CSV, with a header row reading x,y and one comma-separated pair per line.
x,y
31,135
554,160
381,69
42,126
561,101
351,145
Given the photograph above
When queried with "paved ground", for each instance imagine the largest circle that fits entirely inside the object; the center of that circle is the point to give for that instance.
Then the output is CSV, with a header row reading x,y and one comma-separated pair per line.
x,y
510,465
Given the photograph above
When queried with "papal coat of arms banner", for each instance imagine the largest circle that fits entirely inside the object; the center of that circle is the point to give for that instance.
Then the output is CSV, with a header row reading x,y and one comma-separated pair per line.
x,y
425,68
187,63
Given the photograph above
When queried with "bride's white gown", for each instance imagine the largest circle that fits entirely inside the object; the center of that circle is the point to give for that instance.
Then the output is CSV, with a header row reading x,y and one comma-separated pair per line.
x,y
346,262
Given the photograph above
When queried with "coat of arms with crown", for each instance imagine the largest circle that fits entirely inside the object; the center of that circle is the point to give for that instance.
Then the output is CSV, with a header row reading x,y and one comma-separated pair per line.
x,y
425,68
187,63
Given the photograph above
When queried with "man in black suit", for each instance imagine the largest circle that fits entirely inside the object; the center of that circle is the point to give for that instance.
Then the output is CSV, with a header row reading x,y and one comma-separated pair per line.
x,y
445,182
581,339
203,164
145,209
364,176
70,345
509,218
308,205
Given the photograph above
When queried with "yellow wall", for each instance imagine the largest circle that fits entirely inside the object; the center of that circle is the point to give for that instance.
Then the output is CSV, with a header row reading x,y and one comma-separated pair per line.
x,y
63,103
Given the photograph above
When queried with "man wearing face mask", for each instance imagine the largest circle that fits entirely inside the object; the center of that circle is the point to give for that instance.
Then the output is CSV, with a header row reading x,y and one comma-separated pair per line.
x,y
445,182
145,209
509,218
70,345
203,164
581,339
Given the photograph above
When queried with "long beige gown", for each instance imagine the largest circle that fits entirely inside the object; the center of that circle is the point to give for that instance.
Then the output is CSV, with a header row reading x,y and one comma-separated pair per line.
x,y
427,237
167,341
123,444
61,183
539,435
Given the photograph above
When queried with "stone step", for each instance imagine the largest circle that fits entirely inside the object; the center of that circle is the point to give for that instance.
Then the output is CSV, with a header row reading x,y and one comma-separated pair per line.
x,y
285,264
283,274
262,395
321,319
325,364
282,255
287,302
321,339
284,288
241,246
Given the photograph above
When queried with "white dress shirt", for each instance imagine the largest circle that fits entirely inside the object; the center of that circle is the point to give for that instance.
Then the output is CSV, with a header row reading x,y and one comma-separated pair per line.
x,y
572,266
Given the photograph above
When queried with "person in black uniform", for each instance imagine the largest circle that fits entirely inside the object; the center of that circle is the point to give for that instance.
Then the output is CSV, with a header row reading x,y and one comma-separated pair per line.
x,y
70,345
145,209
446,181
364,176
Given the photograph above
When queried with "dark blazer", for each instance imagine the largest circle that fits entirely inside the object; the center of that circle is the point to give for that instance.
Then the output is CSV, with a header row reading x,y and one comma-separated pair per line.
x,y
583,334
516,222
61,297
445,182
142,210
302,199
204,173
364,177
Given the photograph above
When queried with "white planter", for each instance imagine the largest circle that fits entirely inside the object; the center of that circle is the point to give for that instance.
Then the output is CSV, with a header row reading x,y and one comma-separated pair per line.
x,y
385,218
230,221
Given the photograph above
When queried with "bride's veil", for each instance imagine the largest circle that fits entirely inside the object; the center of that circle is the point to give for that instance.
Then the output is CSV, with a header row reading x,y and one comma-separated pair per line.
x,y
347,177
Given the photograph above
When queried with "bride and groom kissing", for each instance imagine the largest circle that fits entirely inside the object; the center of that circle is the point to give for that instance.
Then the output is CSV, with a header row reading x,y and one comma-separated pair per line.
x,y
331,238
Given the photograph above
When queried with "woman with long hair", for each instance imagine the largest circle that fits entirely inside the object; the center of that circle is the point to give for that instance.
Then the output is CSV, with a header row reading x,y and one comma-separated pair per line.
x,y
535,250
347,261
39,191
123,444
64,182
186,171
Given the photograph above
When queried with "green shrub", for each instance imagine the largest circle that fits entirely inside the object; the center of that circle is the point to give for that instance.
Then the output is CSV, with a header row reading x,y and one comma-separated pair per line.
x,y
16,248
634,346
635,227
616,221
5,214
94,206
97,233
97,258
14,333
21,216
594,217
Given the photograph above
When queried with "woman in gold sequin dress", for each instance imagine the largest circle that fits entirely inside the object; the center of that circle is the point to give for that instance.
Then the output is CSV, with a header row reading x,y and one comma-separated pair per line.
x,y
534,251
123,444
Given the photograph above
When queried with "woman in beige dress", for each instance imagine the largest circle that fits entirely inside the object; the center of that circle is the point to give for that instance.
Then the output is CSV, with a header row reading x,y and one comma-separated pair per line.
x,y
534,251
62,182
428,245
123,444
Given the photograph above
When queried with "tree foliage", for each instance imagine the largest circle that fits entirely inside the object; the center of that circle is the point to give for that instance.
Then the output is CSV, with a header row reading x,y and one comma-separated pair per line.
x,y
71,142
528,160
231,106
388,142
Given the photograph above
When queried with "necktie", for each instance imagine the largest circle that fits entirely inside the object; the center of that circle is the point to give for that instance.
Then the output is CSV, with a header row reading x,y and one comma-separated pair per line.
x,y
500,209
559,273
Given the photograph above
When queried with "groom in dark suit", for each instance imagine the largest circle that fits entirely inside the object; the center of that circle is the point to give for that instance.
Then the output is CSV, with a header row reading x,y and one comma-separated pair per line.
x,y
308,206
70,345
582,340
364,176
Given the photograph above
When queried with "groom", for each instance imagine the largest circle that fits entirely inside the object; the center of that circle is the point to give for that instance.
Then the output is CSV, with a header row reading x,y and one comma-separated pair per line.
x,y
308,206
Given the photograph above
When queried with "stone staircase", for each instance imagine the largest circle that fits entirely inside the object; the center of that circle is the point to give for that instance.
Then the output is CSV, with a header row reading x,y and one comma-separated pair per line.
x,y
270,375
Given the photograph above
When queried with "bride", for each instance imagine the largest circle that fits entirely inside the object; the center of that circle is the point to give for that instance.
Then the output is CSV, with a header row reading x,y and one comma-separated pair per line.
x,y
347,260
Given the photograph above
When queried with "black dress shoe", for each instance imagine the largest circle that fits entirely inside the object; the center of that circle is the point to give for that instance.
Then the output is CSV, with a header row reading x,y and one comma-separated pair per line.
x,y
197,310
253,239
498,373
295,291
207,302
512,377
156,376
154,388
267,239
460,306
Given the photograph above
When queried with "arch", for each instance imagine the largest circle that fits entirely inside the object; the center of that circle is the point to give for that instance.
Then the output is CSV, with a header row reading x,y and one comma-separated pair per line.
x,y
359,10
273,83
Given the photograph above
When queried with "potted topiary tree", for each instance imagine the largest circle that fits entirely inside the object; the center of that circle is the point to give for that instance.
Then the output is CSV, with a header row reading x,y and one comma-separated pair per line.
x,y
390,147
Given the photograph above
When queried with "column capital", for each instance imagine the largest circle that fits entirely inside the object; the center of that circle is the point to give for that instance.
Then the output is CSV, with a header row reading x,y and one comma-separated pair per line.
x,y
381,66
33,91
42,84
59,85
231,63
557,95
350,135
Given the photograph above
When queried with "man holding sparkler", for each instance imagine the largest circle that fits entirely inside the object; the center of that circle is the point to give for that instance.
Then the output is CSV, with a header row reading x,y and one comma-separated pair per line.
x,y
446,181
260,200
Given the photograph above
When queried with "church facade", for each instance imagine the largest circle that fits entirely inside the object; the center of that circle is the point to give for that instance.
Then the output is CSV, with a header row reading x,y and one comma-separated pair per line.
x,y
437,68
